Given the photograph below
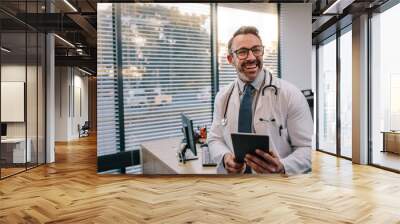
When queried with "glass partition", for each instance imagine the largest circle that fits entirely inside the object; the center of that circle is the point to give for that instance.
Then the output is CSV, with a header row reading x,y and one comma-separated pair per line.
x,y
13,95
41,97
346,94
327,96
22,88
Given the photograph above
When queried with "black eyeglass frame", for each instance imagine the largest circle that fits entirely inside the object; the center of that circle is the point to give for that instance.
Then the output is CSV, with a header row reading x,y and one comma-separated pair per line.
x,y
247,50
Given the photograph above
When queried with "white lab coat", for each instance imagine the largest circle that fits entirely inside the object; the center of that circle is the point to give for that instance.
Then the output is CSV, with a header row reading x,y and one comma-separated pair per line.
x,y
289,108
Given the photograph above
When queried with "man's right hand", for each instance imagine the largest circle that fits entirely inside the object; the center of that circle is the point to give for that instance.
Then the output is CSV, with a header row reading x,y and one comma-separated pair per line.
x,y
231,165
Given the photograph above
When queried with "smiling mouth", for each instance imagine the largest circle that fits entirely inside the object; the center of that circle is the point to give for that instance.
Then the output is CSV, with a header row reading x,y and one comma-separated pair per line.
x,y
251,66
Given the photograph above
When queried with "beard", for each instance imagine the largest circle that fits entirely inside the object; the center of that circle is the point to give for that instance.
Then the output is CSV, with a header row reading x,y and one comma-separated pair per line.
x,y
249,69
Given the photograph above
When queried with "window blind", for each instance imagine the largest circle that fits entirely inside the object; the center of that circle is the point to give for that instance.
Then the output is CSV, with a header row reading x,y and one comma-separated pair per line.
x,y
107,98
166,69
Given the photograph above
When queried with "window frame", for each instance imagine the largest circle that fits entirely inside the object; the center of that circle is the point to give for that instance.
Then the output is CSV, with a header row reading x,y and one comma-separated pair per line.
x,y
333,37
214,74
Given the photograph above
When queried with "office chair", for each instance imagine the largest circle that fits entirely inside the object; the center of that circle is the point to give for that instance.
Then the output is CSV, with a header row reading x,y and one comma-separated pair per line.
x,y
84,130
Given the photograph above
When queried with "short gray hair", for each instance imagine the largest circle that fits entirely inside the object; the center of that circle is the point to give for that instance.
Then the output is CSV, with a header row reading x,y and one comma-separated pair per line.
x,y
243,30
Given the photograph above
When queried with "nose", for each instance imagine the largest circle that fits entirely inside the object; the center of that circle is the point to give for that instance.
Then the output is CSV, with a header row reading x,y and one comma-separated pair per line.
x,y
250,56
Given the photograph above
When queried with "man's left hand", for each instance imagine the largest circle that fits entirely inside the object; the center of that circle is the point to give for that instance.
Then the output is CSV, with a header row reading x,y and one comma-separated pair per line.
x,y
264,162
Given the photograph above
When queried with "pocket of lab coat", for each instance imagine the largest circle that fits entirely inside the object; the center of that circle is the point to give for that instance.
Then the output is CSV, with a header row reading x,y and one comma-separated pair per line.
x,y
279,142
285,136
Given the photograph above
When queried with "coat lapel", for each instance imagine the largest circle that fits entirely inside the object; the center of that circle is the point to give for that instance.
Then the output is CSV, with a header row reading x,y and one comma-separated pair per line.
x,y
234,109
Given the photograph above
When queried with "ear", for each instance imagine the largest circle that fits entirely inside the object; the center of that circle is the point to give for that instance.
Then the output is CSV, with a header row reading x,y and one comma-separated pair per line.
x,y
229,58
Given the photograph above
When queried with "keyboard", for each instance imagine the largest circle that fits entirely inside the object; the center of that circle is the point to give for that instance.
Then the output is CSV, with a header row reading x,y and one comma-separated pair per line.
x,y
206,156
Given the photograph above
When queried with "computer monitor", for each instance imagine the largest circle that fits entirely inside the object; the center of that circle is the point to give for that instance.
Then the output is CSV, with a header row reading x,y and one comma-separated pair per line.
x,y
3,129
188,132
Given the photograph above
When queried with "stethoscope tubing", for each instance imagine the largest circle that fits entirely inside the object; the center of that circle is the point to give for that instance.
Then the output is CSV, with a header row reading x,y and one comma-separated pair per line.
x,y
262,92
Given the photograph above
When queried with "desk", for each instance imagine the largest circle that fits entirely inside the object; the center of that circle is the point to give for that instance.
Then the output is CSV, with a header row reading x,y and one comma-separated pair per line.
x,y
391,141
15,148
159,157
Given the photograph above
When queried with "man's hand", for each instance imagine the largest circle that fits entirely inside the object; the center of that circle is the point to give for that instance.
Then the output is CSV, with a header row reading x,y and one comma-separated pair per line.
x,y
230,165
265,163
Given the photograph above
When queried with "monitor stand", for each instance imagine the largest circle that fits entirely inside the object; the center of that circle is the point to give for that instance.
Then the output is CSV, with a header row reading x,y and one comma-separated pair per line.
x,y
186,154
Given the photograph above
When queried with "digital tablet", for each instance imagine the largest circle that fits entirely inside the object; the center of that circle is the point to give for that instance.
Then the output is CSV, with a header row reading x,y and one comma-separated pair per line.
x,y
244,143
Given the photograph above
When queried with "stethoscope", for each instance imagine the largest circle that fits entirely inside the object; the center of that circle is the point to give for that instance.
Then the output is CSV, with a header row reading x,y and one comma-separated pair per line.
x,y
270,85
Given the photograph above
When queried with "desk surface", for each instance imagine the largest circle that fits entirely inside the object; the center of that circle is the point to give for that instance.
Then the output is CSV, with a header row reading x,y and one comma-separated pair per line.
x,y
164,151
391,132
13,140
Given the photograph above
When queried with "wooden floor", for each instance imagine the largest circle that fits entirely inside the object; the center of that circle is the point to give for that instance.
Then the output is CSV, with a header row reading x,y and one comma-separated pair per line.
x,y
10,171
70,191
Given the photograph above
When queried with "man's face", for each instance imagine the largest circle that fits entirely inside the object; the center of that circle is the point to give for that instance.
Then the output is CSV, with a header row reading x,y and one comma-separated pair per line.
x,y
249,67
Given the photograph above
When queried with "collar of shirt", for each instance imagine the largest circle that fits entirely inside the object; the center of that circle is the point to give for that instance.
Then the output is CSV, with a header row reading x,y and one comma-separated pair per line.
x,y
256,83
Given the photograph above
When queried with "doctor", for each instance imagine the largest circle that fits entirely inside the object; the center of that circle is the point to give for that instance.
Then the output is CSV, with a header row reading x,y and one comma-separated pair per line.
x,y
258,103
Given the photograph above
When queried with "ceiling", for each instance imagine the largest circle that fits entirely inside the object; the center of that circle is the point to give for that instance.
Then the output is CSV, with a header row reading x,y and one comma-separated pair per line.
x,y
76,20
330,15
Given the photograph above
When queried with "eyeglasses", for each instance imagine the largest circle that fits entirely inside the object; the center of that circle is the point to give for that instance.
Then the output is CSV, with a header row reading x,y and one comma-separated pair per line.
x,y
243,53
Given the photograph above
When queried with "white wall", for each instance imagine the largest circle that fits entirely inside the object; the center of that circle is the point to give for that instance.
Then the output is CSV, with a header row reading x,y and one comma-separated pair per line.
x,y
71,87
79,117
14,73
295,41
33,125
12,101
62,83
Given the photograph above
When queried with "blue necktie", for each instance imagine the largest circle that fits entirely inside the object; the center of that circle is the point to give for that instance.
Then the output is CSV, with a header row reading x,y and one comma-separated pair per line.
x,y
245,114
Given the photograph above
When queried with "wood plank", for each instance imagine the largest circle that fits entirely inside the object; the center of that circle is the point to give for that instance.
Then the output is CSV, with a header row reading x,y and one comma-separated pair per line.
x,y
70,191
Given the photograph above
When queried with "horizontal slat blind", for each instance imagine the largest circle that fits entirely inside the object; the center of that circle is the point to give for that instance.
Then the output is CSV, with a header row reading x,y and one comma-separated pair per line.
x,y
166,69
107,104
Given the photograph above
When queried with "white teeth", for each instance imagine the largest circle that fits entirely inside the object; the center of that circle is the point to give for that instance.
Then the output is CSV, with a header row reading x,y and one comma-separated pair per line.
x,y
251,67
